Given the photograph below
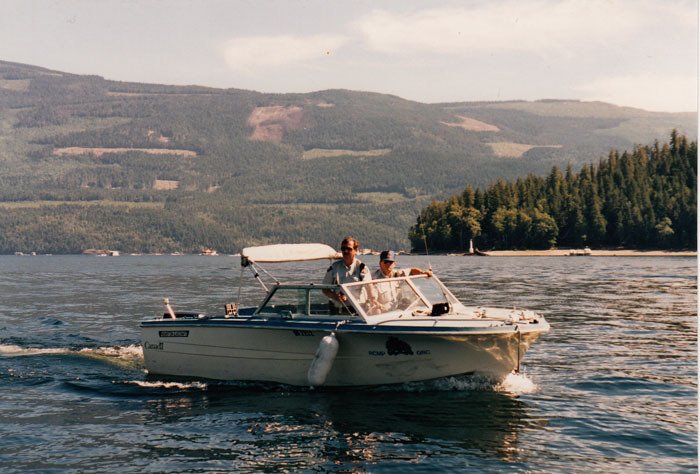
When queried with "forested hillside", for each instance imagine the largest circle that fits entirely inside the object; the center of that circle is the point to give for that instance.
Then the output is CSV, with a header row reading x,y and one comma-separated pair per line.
x,y
86,162
646,198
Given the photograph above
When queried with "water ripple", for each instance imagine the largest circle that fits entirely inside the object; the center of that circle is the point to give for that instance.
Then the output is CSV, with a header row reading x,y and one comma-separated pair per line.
x,y
612,388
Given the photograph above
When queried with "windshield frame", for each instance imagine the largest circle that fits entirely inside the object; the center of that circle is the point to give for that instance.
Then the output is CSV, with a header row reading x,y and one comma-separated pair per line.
x,y
307,312
427,304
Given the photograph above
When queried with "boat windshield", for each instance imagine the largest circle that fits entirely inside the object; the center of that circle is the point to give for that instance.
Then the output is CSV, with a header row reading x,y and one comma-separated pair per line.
x,y
300,302
399,294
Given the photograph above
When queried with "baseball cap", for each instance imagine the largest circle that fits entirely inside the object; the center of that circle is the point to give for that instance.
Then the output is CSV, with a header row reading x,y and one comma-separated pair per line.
x,y
387,256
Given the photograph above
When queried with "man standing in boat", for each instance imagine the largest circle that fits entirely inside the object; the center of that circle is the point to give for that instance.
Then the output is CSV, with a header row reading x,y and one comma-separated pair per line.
x,y
347,270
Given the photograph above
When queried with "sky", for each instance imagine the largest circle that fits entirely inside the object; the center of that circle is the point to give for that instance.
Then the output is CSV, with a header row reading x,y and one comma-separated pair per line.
x,y
637,53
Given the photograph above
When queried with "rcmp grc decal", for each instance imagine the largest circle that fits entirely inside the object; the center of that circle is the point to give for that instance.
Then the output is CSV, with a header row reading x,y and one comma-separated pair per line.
x,y
395,346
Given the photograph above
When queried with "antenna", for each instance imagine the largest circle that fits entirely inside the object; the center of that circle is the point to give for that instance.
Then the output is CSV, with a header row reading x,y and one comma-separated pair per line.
x,y
425,241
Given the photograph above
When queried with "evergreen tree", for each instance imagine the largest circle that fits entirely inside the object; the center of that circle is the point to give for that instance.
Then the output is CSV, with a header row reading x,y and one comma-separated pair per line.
x,y
639,199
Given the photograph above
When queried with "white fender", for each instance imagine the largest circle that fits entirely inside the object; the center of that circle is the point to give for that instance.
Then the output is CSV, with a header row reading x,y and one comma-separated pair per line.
x,y
322,363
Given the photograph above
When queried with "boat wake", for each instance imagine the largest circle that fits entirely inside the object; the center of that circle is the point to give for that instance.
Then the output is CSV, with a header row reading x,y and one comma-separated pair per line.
x,y
124,356
179,386
516,384
9,350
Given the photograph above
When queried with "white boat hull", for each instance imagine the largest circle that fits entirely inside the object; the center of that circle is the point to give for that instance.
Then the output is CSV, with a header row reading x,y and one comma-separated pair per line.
x,y
230,351
387,331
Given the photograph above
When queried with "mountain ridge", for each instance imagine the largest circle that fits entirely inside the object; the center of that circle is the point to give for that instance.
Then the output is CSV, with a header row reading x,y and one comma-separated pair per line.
x,y
328,163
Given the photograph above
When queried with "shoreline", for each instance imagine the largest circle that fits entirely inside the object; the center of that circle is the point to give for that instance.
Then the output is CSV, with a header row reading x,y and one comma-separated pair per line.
x,y
594,253
488,253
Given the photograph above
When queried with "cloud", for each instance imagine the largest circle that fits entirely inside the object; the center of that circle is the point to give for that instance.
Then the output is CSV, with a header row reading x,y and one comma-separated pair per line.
x,y
511,25
673,93
612,50
254,52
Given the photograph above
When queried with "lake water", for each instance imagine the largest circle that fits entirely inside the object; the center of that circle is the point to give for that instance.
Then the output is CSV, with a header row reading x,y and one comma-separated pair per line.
x,y
612,388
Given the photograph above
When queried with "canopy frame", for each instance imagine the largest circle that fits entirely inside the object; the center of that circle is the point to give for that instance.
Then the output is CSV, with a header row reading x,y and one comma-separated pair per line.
x,y
278,253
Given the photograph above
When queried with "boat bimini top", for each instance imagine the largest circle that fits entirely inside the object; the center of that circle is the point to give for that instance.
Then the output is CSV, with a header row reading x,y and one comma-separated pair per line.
x,y
279,253
288,253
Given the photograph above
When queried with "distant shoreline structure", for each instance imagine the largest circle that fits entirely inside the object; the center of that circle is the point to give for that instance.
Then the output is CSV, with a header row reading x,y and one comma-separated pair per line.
x,y
593,253
489,253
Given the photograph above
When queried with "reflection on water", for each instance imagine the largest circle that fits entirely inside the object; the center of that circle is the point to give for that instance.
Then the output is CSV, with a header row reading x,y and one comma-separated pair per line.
x,y
347,427
613,386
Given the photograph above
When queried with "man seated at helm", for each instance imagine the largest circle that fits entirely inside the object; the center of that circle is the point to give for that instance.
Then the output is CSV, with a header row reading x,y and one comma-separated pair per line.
x,y
387,293
347,270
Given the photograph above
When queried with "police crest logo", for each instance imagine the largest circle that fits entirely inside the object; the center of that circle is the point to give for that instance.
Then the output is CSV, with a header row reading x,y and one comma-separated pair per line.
x,y
395,346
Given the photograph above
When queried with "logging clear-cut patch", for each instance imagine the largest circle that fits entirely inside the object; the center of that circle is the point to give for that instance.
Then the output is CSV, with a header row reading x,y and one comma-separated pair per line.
x,y
98,152
334,153
270,123
473,125
514,150
165,184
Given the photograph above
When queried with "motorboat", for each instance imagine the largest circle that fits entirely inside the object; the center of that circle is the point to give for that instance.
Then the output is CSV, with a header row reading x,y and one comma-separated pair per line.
x,y
585,252
388,331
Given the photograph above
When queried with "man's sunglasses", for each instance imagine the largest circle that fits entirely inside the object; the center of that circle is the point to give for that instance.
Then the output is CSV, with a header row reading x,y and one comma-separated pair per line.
x,y
346,249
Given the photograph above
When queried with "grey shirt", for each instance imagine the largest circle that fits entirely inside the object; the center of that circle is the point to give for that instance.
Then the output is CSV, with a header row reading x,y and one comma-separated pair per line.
x,y
339,273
